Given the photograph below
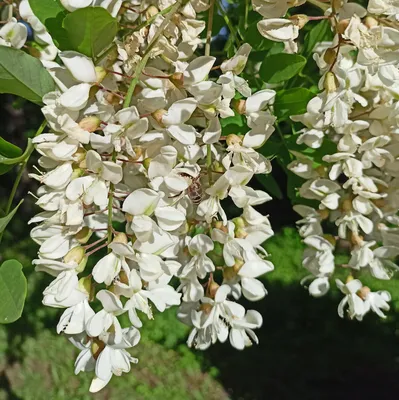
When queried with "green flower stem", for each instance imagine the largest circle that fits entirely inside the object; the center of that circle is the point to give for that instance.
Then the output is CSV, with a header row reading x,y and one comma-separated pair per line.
x,y
208,53
147,54
319,4
169,12
154,17
24,161
209,28
246,14
232,29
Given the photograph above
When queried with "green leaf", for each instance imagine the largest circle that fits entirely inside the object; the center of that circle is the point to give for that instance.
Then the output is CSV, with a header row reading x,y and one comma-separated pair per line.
x,y
13,288
234,124
51,13
23,75
46,10
16,160
5,220
270,184
256,40
8,149
90,30
281,67
291,102
321,32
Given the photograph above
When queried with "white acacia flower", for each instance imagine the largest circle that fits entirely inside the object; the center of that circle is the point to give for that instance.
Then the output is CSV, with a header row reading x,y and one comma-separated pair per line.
x,y
13,34
101,322
198,248
114,359
356,306
279,30
318,257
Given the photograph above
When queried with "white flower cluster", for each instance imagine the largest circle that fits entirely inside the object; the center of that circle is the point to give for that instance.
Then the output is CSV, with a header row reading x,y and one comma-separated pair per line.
x,y
355,188
142,178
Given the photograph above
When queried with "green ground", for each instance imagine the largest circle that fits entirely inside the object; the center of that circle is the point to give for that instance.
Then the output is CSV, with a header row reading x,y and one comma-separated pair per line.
x,y
306,350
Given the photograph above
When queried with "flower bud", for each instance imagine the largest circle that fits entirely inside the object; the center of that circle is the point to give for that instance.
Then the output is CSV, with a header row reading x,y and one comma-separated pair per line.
x,y
90,124
138,150
111,98
212,289
380,203
128,217
330,238
147,162
158,115
342,25
336,5
238,265
322,171
79,156
233,140
120,237
33,51
229,274
83,164
324,214
330,55
77,172
84,235
85,285
217,167
137,90
370,22
364,292
206,308
241,233
97,346
75,255
101,73
330,83
177,19
93,91
219,225
239,106
151,11
216,255
347,205
356,239
239,222
123,277
177,79
349,278
300,20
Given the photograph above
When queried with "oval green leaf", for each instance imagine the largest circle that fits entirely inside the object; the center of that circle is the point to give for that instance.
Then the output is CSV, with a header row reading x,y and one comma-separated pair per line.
x,y
13,288
5,220
90,30
291,102
281,67
51,13
23,75
8,150
256,40
47,9
319,33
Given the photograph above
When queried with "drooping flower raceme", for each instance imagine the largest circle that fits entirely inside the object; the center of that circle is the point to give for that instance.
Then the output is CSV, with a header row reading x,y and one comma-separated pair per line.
x,y
354,188
139,181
